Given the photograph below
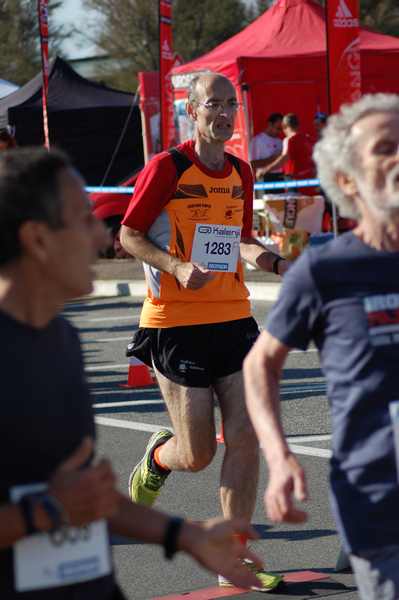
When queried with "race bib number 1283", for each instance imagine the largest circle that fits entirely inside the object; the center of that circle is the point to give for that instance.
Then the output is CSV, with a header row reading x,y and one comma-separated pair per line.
x,y
216,247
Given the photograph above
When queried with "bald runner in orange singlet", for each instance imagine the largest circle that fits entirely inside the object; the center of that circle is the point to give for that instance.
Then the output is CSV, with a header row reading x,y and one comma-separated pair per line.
x,y
190,222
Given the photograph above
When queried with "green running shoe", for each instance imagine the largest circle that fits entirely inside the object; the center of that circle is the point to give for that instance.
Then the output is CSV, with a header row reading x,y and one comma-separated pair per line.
x,y
145,483
267,581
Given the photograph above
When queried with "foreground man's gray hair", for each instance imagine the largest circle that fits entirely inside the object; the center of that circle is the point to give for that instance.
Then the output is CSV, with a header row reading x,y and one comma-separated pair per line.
x,y
336,151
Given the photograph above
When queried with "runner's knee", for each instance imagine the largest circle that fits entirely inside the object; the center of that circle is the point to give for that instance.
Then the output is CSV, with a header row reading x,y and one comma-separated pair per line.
x,y
199,460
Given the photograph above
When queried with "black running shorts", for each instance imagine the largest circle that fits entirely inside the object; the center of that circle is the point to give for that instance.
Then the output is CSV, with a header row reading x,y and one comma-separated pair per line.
x,y
196,355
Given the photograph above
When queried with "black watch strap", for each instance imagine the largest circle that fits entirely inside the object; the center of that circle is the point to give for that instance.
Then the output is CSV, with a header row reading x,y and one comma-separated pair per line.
x,y
171,535
55,512
27,509
53,509
275,264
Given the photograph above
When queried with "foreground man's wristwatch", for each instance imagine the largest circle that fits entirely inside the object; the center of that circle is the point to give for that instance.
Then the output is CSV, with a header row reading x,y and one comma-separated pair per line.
x,y
50,505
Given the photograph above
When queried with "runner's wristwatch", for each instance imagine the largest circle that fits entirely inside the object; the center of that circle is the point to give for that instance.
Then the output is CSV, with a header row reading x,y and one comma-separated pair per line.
x,y
276,263
171,535
50,505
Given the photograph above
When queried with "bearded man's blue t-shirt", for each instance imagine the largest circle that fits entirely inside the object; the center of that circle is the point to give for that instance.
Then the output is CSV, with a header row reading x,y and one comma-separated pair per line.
x,y
344,296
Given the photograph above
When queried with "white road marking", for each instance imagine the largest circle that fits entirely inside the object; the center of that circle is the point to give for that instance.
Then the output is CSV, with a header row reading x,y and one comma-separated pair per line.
x,y
134,289
258,290
101,319
127,403
322,437
123,390
115,339
138,426
310,451
125,424
302,389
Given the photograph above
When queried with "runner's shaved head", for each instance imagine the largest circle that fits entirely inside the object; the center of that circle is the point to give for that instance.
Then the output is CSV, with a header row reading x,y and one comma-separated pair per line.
x,y
201,86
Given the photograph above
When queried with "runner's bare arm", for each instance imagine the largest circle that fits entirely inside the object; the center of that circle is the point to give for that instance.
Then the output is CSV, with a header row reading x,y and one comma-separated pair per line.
x,y
190,275
213,543
137,243
275,164
263,162
258,256
262,372
12,525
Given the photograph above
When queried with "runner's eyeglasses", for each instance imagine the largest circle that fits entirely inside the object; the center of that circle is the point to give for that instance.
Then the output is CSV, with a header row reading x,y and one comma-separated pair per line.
x,y
215,106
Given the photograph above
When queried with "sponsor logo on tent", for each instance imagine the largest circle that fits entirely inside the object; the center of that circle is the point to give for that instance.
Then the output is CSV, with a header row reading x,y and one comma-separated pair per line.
x,y
344,17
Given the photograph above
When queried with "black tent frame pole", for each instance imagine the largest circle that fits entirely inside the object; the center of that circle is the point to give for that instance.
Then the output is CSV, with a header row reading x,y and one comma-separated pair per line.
x,y
329,102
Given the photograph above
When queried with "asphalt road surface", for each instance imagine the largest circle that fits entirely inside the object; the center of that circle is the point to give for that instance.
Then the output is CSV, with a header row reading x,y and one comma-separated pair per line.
x,y
127,417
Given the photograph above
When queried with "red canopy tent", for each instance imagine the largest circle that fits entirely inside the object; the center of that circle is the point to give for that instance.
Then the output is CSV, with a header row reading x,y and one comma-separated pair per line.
x,y
278,63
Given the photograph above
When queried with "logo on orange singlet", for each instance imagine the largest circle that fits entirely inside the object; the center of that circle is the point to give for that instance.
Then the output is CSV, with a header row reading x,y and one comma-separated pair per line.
x,y
219,190
199,212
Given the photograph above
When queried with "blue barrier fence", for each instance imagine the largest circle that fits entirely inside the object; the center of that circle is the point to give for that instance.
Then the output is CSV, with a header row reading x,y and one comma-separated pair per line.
x,y
277,185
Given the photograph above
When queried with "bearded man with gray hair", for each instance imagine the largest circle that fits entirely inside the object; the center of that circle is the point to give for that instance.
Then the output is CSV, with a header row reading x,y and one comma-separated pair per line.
x,y
344,297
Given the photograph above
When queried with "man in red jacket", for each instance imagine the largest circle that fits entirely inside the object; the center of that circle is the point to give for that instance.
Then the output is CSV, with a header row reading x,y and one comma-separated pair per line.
x,y
296,157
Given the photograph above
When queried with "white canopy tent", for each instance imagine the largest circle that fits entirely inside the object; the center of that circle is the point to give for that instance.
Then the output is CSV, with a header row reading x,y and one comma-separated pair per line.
x,y
6,88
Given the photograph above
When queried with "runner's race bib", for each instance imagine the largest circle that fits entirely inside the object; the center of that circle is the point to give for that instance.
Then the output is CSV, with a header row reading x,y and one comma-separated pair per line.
x,y
216,247
70,555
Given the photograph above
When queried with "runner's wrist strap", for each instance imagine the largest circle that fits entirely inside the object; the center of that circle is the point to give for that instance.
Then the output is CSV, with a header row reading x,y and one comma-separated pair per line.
x,y
276,263
27,510
53,509
171,535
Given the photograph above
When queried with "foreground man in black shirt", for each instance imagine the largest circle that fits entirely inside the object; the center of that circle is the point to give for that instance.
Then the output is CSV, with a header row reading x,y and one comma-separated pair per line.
x,y
56,503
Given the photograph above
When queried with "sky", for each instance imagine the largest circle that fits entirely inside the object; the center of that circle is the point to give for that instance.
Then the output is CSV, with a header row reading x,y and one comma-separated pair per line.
x,y
72,12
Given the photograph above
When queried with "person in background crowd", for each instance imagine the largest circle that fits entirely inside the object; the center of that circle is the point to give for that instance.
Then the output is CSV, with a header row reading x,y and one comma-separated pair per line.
x,y
344,297
264,149
343,224
115,249
7,138
296,156
50,485
319,122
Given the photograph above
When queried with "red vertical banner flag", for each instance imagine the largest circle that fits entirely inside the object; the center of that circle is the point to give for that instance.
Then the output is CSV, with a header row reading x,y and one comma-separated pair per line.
x,y
343,52
42,8
149,108
166,63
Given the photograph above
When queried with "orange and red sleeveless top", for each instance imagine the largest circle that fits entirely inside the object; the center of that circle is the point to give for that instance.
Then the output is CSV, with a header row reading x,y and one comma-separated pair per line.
x,y
173,194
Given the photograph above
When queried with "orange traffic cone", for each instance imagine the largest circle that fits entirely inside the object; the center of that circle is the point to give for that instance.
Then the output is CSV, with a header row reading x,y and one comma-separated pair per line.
x,y
220,436
138,374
